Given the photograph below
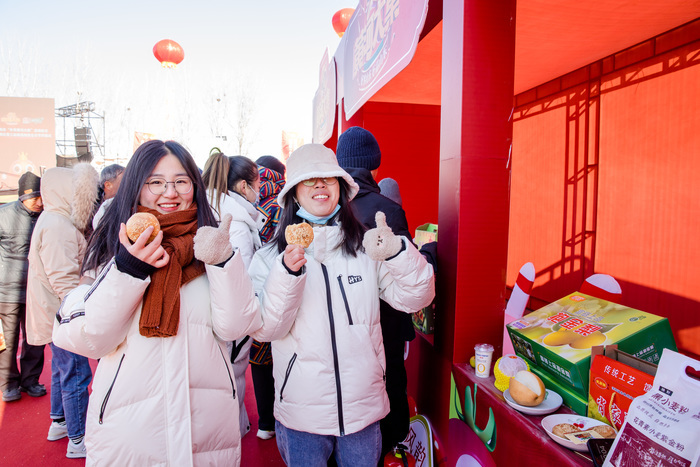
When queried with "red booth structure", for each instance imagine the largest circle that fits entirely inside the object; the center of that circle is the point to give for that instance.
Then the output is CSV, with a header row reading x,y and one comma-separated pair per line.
x,y
562,133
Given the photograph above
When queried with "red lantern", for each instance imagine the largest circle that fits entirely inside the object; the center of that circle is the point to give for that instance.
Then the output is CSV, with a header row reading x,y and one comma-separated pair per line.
x,y
341,18
399,457
168,53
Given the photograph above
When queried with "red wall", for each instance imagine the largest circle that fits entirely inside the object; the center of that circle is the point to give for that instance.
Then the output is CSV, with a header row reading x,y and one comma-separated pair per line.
x,y
605,164
409,138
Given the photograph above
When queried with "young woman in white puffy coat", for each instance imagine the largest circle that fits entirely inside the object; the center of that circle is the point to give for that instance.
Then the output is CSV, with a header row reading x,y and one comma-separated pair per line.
x,y
320,309
233,184
158,316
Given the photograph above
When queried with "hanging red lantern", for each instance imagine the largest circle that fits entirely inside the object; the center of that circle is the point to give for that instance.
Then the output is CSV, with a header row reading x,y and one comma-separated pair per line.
x,y
341,18
168,53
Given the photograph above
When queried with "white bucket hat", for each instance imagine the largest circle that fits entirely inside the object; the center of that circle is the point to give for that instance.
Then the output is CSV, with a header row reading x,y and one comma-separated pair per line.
x,y
314,161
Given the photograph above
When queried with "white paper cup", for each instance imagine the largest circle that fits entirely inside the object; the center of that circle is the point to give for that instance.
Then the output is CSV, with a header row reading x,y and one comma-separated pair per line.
x,y
482,358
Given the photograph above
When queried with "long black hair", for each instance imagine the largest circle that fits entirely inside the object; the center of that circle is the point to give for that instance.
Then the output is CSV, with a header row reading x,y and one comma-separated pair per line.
x,y
104,241
353,230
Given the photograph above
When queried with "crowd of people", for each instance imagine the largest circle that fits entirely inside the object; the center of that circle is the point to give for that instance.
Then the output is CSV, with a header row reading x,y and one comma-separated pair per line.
x,y
175,320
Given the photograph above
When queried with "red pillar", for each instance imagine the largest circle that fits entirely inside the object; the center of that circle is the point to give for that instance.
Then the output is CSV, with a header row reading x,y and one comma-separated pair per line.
x,y
476,131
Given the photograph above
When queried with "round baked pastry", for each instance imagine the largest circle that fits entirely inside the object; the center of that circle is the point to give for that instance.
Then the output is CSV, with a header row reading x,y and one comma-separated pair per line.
x,y
140,222
299,234
605,431
564,429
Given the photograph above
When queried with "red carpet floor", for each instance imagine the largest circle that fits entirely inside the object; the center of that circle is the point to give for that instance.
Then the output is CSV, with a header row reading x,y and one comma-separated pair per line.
x,y
24,424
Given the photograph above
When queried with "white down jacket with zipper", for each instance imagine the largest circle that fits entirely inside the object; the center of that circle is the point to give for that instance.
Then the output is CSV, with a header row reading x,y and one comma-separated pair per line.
x,y
325,332
161,401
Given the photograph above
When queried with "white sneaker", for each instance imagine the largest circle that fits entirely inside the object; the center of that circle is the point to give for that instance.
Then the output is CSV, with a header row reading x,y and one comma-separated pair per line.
x,y
57,431
76,450
264,434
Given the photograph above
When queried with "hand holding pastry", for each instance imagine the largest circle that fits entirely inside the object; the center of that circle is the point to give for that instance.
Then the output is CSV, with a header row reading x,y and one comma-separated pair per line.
x,y
294,257
148,251
139,222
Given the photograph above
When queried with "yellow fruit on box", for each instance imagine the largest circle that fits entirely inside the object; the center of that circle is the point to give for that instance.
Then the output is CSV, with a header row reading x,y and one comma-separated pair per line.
x,y
527,389
472,361
561,337
505,368
586,342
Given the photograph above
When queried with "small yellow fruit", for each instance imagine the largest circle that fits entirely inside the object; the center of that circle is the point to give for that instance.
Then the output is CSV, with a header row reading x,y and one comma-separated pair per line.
x,y
505,368
586,342
472,361
561,337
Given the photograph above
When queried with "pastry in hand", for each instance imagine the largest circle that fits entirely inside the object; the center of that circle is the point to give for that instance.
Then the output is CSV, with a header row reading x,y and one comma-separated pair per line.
x,y
299,234
140,222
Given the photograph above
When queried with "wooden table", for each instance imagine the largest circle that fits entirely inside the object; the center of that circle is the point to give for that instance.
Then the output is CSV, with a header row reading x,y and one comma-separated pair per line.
x,y
520,438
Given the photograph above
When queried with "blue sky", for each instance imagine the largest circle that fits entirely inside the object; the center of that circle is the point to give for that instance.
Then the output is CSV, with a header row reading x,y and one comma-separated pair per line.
x,y
274,45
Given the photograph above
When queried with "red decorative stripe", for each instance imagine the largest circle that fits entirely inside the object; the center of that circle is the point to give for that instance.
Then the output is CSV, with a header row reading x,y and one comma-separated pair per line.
x,y
524,283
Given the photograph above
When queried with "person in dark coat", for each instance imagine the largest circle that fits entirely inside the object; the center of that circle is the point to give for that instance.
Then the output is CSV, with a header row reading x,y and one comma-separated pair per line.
x,y
17,220
359,154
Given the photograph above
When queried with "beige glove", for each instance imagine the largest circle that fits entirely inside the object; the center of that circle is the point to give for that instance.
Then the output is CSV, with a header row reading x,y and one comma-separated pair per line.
x,y
212,244
380,243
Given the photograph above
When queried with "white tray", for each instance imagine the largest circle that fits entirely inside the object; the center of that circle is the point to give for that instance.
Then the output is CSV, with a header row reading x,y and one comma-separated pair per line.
x,y
548,423
552,401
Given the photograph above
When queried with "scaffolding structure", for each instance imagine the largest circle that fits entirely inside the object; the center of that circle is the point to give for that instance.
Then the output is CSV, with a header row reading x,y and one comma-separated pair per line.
x,y
85,145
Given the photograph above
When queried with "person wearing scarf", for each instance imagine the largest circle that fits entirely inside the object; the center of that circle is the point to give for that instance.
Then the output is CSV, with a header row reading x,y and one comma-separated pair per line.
x,y
158,316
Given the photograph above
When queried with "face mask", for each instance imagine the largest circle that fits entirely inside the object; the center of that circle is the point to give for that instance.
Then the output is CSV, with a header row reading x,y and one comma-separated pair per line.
x,y
304,214
256,196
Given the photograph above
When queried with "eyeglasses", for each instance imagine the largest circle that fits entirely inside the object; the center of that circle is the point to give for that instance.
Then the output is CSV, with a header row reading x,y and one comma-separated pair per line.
x,y
159,186
325,181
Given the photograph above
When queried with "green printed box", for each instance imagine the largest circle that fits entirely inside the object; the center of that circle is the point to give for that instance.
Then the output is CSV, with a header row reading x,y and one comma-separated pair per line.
x,y
572,398
425,233
558,337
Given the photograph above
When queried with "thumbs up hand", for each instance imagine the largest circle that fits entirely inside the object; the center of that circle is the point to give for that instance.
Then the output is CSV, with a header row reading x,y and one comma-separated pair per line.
x,y
211,244
380,243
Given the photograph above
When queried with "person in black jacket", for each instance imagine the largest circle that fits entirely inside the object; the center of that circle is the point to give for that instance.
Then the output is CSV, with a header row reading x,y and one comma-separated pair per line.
x,y
359,154
17,221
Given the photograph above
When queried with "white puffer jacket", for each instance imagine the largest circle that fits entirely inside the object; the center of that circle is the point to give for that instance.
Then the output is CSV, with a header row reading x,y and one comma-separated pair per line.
x,y
325,331
245,224
161,401
58,245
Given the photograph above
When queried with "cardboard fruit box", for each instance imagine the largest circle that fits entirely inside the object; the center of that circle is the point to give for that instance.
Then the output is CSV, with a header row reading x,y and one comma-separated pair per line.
x,y
425,233
572,399
616,379
558,337
424,320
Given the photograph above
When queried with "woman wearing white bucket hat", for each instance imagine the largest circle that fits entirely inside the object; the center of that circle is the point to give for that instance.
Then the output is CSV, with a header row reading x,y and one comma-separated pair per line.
x,y
320,309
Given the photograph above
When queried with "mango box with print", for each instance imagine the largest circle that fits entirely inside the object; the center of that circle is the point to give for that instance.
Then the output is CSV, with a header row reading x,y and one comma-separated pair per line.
x,y
616,379
558,337
424,320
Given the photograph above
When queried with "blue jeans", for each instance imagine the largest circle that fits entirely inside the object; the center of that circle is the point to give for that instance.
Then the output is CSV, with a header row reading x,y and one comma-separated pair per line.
x,y
70,377
299,448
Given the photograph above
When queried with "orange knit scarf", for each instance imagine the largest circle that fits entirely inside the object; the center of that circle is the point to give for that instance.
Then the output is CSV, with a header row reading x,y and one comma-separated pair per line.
x,y
160,315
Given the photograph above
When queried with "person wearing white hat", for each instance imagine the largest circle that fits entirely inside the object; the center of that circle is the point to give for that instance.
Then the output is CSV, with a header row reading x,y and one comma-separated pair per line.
x,y
320,310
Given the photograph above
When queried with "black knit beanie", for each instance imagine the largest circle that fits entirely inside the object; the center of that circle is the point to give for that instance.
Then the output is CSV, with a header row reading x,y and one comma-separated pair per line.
x,y
357,148
29,186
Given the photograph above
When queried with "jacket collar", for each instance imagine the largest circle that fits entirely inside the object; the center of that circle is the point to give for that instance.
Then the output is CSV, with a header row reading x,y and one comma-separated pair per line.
x,y
363,178
23,209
